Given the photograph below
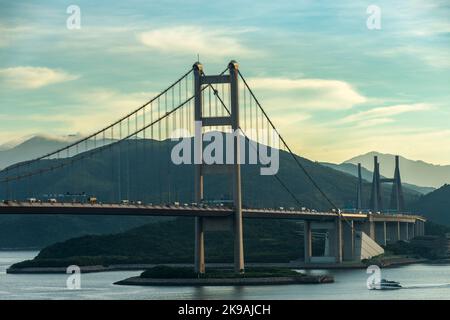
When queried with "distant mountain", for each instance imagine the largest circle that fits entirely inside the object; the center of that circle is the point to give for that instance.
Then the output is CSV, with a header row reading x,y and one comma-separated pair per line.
x,y
32,147
29,148
415,172
367,175
435,205
12,143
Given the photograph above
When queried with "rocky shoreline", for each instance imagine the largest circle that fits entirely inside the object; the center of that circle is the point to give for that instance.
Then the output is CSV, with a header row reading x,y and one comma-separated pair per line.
x,y
138,281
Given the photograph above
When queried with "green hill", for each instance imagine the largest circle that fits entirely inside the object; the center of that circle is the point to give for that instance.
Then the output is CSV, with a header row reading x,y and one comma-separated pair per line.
x,y
35,232
173,242
436,205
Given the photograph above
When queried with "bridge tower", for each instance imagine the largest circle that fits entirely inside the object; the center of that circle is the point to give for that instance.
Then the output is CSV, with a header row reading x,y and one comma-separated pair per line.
x,y
397,198
376,199
233,169
359,200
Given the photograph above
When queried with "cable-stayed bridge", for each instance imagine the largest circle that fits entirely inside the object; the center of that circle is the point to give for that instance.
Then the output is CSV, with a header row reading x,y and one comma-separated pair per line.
x,y
136,162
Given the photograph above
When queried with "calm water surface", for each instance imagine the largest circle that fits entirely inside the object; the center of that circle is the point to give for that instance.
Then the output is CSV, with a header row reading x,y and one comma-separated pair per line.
x,y
422,281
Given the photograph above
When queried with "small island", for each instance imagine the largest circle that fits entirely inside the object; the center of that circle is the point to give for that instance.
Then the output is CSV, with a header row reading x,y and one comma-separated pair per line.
x,y
162,275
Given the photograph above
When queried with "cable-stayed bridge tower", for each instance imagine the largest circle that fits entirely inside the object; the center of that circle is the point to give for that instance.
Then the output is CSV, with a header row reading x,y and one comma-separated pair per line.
x,y
397,201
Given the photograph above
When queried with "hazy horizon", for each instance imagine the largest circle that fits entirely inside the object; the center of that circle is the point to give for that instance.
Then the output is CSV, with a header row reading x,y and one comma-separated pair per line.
x,y
338,90
11,144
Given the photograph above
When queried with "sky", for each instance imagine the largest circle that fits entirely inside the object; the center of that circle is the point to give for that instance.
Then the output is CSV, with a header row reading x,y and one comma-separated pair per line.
x,y
334,87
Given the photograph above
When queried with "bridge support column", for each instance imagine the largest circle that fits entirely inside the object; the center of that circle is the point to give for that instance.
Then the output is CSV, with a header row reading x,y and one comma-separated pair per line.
x,y
199,258
369,227
392,232
420,228
237,192
338,239
348,232
411,227
199,245
403,231
307,241
380,233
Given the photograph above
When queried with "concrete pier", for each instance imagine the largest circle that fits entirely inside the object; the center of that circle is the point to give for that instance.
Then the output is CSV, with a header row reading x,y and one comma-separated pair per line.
x,y
411,228
419,228
348,234
403,231
380,233
338,242
393,231
307,241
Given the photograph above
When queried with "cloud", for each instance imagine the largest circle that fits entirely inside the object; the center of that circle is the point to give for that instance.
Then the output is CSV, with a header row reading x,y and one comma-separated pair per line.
x,y
33,77
434,57
382,115
109,106
10,33
431,28
288,122
193,40
311,93
85,112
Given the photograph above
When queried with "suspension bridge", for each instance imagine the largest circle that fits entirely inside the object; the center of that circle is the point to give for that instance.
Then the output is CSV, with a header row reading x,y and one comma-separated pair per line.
x,y
126,168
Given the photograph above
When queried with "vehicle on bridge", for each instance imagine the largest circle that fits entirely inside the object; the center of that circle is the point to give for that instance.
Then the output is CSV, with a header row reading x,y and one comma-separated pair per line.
x,y
218,203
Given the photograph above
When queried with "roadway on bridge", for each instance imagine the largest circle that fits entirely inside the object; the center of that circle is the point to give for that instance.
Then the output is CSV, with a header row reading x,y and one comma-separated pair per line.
x,y
182,211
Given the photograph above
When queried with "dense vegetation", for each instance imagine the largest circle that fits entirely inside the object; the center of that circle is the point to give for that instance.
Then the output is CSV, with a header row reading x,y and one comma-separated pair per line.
x,y
413,250
173,242
36,232
435,205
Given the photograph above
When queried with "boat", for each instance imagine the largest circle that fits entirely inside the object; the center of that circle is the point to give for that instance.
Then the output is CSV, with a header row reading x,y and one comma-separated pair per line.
x,y
386,285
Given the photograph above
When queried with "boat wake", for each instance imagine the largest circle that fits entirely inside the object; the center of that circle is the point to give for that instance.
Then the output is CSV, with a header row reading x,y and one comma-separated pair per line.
x,y
427,286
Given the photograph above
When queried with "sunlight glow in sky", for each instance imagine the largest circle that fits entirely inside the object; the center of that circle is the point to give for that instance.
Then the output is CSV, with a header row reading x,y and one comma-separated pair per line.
x,y
334,88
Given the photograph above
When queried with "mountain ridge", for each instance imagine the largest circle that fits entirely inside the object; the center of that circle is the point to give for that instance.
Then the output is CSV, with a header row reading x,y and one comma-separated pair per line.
x,y
367,175
416,172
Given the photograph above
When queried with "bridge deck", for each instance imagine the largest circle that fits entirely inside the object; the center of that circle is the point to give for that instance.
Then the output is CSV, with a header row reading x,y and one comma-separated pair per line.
x,y
184,211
